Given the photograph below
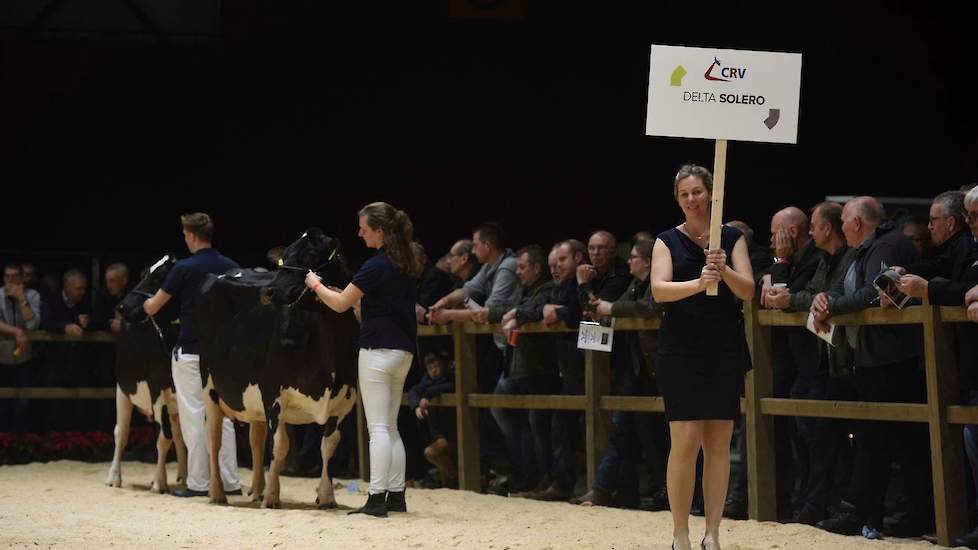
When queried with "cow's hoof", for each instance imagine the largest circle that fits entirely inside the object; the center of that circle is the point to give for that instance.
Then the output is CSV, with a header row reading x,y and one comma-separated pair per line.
x,y
114,479
160,488
327,506
257,497
271,504
219,499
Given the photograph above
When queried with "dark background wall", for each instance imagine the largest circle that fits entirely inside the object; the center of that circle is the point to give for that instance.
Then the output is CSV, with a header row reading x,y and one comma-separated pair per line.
x,y
275,116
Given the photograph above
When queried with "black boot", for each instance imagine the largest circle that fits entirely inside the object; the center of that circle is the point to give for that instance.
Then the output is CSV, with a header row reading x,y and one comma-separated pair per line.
x,y
395,501
375,506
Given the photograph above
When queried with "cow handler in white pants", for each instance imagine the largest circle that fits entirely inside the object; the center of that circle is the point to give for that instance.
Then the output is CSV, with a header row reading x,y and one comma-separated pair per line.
x,y
184,281
386,288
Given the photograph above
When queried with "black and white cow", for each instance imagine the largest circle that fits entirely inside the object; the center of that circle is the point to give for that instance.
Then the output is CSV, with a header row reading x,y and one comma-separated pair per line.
x,y
272,355
144,378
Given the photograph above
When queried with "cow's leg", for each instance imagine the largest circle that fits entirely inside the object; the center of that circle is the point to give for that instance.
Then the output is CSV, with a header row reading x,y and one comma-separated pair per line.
x,y
123,416
215,424
325,498
162,449
181,447
280,450
256,436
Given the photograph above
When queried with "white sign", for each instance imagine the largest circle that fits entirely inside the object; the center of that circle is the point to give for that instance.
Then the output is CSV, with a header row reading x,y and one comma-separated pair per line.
x,y
723,94
591,335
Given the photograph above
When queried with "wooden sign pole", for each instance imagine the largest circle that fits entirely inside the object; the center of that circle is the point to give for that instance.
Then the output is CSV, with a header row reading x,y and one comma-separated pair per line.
x,y
716,215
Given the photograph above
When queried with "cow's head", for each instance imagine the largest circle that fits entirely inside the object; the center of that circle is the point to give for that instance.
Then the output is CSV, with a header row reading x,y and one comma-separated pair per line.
x,y
131,307
315,251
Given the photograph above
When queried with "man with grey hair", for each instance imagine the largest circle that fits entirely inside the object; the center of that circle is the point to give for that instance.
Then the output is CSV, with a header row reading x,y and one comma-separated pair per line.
x,y
606,277
951,289
949,233
104,316
462,263
887,369
68,313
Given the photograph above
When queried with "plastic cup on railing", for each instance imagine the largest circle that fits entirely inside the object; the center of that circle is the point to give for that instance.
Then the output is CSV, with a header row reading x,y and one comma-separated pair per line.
x,y
514,336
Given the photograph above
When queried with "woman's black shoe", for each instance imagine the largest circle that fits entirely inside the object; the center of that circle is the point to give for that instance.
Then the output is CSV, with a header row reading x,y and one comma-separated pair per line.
x,y
375,506
395,501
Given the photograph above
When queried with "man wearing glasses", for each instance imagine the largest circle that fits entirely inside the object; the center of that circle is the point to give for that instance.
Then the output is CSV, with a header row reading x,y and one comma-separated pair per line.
x,y
952,246
960,287
20,311
606,277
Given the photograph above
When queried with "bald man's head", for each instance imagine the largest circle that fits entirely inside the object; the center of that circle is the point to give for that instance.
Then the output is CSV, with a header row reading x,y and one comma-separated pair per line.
x,y
792,216
794,222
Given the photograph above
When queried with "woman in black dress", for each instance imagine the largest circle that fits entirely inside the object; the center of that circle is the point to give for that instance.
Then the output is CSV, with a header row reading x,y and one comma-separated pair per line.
x,y
701,359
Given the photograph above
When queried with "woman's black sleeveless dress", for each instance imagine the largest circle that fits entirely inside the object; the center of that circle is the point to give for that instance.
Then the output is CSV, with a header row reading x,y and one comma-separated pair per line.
x,y
701,361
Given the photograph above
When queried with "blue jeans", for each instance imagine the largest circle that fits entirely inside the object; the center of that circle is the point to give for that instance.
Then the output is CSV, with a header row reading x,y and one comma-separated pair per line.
x,y
617,469
830,458
567,432
807,452
527,432
631,433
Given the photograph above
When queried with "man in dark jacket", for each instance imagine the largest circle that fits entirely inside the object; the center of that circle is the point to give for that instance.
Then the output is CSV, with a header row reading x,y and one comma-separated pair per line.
x,y
606,277
65,363
822,439
795,350
532,370
562,304
632,355
104,316
886,361
67,313
952,292
950,235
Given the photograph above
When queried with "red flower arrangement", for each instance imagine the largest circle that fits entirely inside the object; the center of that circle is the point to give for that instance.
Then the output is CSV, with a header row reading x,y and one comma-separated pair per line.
x,y
94,446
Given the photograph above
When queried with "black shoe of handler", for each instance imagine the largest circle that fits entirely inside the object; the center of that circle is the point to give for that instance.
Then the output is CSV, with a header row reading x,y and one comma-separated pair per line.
x,y
969,541
396,502
376,506
184,493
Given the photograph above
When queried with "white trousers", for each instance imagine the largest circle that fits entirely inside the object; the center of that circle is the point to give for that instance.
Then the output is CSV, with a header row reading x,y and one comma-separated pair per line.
x,y
382,373
190,405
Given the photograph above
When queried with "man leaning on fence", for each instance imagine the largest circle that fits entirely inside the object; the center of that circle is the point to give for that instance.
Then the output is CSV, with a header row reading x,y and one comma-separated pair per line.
x,y
952,290
20,311
887,369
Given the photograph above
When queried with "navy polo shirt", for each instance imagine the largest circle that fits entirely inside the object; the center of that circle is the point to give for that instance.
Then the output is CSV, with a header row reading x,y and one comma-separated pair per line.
x,y
387,318
184,281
